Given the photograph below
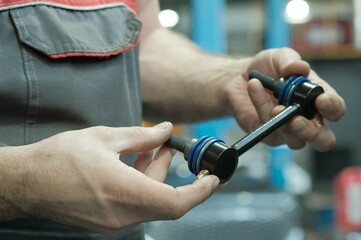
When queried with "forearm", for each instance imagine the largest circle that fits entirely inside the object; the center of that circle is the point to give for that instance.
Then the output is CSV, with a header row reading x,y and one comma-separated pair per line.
x,y
180,82
12,184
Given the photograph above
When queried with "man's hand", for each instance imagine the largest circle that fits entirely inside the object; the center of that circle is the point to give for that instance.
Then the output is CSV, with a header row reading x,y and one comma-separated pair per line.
x,y
199,85
76,178
252,105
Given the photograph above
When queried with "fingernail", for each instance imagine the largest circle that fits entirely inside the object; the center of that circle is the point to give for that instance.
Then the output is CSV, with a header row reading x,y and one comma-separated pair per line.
x,y
163,125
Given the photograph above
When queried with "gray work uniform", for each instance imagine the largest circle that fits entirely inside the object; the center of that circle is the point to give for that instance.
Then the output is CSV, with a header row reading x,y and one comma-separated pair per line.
x,y
63,69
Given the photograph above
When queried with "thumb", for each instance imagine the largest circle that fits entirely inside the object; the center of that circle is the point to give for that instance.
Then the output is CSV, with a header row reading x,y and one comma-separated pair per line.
x,y
141,139
194,194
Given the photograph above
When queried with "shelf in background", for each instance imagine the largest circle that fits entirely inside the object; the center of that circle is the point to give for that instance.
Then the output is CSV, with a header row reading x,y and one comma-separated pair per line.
x,y
337,52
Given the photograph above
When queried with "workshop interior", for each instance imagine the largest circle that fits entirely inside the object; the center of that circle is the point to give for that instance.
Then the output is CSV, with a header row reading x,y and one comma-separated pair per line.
x,y
272,193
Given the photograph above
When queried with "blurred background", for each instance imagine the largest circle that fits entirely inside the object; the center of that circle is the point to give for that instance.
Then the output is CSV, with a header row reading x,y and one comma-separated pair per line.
x,y
277,193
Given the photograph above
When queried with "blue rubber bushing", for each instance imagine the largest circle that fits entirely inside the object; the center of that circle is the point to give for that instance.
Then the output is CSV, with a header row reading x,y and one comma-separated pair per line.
x,y
288,88
199,156
197,151
192,160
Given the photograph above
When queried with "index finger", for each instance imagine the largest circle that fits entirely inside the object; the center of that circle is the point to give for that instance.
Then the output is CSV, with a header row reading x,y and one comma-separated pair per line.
x,y
126,140
287,62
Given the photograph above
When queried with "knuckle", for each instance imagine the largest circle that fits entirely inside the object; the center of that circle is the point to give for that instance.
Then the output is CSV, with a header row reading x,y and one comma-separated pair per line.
x,y
297,145
101,131
287,50
331,141
309,135
111,224
139,135
138,131
303,129
96,129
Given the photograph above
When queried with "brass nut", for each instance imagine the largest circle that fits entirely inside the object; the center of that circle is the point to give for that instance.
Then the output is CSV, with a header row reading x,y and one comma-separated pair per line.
x,y
202,173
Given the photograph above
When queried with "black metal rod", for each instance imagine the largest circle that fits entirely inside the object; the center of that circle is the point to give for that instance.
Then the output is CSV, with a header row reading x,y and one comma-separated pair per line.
x,y
177,143
264,130
266,81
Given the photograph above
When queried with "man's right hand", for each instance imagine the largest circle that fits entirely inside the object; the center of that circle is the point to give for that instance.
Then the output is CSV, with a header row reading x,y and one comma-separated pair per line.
x,y
76,178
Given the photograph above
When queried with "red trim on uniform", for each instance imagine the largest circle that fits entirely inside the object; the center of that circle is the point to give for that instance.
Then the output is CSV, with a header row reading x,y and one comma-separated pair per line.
x,y
72,3
93,54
